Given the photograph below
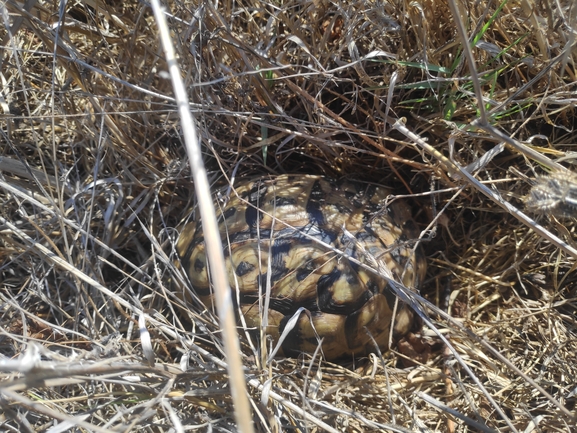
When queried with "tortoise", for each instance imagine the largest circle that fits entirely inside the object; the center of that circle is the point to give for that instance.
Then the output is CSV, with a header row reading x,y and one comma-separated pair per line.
x,y
302,240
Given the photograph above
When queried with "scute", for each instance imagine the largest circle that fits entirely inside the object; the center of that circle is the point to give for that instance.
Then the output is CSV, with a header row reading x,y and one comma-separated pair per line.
x,y
296,223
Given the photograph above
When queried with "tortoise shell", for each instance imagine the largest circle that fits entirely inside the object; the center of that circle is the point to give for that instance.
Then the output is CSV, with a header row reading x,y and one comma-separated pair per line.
x,y
288,243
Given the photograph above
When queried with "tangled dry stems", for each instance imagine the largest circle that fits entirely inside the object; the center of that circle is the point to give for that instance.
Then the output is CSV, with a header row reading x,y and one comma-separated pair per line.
x,y
94,185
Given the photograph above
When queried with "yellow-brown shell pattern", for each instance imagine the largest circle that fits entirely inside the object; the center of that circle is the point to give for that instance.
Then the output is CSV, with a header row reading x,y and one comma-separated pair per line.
x,y
279,236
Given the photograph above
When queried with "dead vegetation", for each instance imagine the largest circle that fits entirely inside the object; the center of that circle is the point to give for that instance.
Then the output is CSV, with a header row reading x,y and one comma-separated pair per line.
x,y
94,184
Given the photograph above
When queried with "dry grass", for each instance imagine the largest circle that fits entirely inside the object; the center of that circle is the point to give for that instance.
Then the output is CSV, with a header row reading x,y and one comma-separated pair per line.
x,y
94,184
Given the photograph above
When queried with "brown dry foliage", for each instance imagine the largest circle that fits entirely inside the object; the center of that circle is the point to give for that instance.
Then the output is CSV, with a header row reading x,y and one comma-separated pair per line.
x,y
94,184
